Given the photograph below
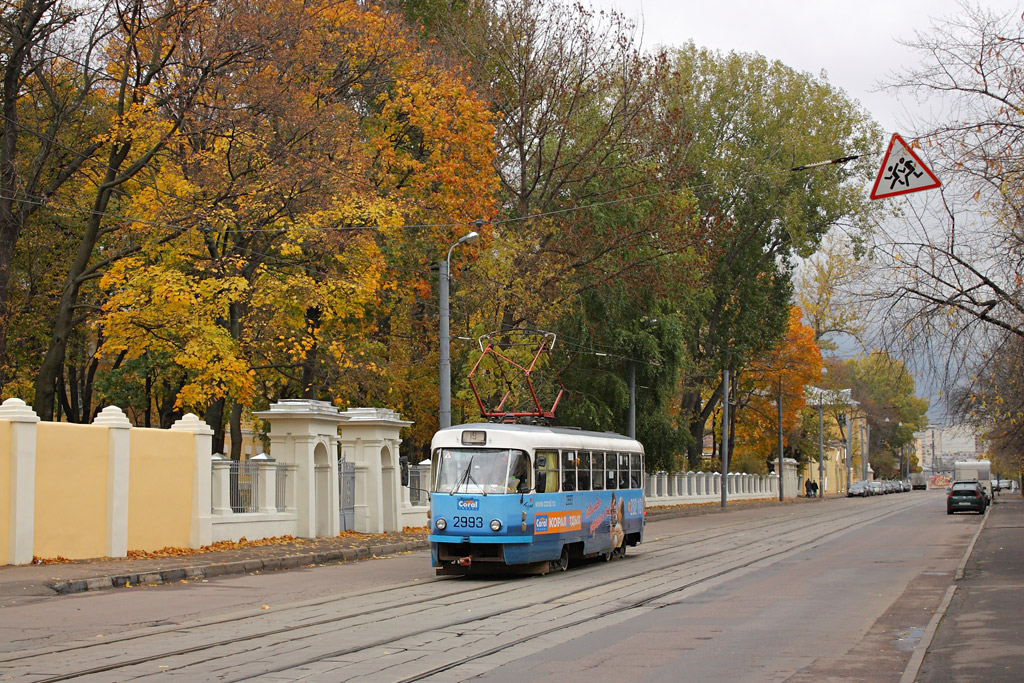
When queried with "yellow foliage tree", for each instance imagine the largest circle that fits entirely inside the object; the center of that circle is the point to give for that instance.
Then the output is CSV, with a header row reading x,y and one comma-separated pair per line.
x,y
784,371
297,179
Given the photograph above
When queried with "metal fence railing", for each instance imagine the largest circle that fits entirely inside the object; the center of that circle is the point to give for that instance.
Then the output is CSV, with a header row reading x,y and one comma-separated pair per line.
x,y
419,482
244,490
281,488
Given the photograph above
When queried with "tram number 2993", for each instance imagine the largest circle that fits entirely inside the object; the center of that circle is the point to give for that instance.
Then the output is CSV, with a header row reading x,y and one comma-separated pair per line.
x,y
468,522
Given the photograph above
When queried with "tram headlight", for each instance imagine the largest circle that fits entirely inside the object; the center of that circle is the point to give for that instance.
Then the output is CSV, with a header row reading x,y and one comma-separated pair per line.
x,y
495,525
440,524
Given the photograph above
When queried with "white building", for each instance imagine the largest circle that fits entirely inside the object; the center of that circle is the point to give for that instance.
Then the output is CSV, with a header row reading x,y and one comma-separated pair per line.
x,y
939,447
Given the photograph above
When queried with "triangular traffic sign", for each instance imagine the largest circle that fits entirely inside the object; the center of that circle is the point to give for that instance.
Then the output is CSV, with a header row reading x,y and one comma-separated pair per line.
x,y
902,172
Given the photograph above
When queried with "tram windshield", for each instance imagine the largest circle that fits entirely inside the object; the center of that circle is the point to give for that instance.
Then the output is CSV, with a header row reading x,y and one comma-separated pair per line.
x,y
481,470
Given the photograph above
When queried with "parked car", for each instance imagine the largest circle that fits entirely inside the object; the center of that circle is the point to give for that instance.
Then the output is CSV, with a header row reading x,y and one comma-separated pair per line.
x,y
877,488
858,488
966,496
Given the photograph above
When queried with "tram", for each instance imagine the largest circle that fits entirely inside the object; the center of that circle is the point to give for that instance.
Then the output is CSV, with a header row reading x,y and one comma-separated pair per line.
x,y
523,498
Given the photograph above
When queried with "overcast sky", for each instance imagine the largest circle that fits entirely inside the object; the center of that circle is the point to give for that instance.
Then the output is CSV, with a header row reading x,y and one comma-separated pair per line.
x,y
855,43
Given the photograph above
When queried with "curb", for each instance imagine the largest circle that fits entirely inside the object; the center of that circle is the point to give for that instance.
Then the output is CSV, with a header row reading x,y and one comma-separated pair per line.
x,y
207,571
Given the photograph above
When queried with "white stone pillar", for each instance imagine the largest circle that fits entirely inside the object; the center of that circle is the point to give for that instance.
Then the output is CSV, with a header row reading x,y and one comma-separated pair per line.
x,y
304,435
22,512
371,437
118,463
220,490
201,530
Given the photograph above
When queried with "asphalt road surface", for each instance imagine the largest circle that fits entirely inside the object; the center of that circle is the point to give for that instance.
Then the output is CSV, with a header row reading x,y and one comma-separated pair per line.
x,y
831,590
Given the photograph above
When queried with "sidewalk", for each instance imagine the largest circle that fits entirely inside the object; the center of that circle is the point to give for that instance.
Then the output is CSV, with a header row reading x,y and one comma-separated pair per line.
x,y
981,635
20,581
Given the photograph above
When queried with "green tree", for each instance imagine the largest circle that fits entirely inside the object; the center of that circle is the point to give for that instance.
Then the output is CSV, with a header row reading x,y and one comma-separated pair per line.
x,y
748,122
886,393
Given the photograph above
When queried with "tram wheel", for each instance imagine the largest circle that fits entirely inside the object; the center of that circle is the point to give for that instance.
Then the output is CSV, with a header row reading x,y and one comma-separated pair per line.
x,y
562,563
621,550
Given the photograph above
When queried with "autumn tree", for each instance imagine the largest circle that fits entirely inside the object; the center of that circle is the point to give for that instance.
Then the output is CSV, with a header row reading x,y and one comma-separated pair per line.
x,y
886,394
746,122
828,290
780,374
299,275
993,401
572,96
48,125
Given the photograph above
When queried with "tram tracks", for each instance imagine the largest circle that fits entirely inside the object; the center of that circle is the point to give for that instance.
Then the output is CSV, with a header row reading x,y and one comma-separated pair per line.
x,y
670,569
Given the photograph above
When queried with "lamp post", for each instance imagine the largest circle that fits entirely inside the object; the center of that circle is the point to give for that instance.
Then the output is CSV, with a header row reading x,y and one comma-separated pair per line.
x,y
821,448
865,447
445,390
781,467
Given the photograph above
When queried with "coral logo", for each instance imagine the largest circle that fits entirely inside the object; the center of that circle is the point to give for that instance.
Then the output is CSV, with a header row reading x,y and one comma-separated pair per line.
x,y
468,504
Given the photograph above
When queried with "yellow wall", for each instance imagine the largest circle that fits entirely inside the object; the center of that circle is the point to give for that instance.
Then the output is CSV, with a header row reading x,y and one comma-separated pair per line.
x,y
5,491
835,474
160,489
71,491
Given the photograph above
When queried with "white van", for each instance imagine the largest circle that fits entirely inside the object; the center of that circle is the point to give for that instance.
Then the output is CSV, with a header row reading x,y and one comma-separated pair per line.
x,y
975,470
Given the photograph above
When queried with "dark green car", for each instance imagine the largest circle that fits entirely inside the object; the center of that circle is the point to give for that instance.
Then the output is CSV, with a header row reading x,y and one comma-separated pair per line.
x,y
966,496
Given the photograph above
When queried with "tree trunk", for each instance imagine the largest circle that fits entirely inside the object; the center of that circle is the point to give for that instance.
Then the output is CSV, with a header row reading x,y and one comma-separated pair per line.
x,y
215,420
236,431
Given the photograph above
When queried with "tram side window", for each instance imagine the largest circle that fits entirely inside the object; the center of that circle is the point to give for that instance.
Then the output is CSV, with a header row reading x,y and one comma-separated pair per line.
x,y
519,473
636,471
623,459
545,467
597,471
568,470
611,481
584,471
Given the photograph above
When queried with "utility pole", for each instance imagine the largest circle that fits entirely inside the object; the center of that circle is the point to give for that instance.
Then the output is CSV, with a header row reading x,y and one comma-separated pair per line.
x,y
631,427
821,449
849,449
725,434
864,449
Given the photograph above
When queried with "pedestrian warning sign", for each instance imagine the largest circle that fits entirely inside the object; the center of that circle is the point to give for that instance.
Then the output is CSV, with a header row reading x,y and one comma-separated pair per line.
x,y
902,172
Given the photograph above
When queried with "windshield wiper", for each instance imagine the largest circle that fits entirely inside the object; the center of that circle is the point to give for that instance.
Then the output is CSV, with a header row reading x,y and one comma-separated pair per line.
x,y
463,478
467,477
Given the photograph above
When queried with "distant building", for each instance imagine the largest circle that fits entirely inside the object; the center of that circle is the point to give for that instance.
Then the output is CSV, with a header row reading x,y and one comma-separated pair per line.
x,y
939,447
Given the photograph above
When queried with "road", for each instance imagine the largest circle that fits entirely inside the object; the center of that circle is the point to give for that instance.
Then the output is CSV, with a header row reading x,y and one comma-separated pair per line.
x,y
839,589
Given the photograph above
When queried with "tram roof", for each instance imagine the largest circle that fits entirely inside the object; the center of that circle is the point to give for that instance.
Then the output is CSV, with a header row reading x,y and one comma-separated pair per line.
x,y
538,436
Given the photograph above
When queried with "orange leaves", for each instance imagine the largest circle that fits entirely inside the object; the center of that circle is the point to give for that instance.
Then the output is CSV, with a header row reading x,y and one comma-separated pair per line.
x,y
786,370
298,171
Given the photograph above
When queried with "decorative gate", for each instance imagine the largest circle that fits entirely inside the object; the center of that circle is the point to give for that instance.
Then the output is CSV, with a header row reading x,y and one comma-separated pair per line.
x,y
346,495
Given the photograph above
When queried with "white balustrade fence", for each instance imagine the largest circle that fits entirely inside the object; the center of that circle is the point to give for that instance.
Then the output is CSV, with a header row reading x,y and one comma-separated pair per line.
x,y
688,488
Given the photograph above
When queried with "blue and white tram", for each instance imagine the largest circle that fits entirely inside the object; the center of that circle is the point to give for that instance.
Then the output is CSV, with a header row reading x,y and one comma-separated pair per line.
x,y
524,497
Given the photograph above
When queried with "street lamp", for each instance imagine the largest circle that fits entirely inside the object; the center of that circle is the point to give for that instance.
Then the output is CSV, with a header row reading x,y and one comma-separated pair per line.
x,y
445,390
